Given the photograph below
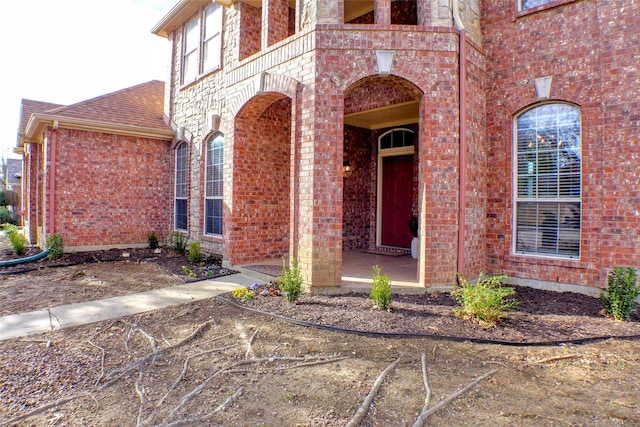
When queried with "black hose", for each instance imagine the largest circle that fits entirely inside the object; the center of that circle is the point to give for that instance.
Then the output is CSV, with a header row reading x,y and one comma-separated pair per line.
x,y
580,341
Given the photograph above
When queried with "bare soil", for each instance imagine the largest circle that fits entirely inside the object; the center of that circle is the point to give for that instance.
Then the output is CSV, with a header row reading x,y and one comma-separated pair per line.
x,y
152,369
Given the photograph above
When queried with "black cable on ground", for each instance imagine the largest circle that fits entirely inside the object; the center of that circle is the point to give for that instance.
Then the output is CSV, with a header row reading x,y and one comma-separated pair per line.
x,y
580,341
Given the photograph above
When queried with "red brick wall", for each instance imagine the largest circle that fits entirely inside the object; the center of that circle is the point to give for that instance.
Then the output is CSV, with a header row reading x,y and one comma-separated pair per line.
x,y
358,196
111,189
250,29
592,57
259,220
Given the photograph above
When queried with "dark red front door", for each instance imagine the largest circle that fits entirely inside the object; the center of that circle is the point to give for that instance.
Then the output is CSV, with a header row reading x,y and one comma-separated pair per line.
x,y
397,192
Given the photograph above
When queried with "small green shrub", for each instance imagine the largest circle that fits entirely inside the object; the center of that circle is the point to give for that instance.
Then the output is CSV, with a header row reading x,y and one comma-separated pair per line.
x,y
153,240
621,291
178,242
55,245
381,291
291,281
195,253
486,301
16,239
6,217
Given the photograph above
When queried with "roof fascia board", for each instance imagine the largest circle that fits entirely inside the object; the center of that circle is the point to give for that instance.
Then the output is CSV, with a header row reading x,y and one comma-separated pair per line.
x,y
177,16
38,121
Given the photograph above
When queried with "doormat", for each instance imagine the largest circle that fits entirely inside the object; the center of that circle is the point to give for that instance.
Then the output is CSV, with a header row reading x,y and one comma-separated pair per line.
x,y
388,251
269,270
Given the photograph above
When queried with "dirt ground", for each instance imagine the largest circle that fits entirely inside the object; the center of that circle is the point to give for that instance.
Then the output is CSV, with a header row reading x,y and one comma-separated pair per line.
x,y
211,363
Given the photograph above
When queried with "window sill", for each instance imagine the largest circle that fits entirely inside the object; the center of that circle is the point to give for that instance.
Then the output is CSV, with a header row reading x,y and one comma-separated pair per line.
x,y
521,13
212,239
546,261
199,78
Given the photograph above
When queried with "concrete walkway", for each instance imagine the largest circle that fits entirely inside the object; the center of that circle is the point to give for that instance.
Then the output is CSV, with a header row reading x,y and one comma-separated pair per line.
x,y
64,316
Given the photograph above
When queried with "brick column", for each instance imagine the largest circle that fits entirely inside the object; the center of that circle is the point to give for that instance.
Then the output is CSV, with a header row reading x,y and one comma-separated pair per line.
x,y
275,21
319,213
382,12
424,12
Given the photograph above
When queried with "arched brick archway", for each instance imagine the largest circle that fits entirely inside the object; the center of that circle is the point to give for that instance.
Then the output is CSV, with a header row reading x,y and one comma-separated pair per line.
x,y
259,211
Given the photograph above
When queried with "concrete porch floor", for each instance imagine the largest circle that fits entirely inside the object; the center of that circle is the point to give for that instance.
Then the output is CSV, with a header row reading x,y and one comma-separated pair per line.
x,y
357,271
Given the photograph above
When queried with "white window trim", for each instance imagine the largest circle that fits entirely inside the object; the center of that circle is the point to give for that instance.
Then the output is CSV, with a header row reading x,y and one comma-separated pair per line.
x,y
199,49
516,199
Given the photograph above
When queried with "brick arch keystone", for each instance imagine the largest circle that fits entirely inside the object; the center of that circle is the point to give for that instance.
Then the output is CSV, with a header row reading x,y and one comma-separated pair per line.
x,y
275,86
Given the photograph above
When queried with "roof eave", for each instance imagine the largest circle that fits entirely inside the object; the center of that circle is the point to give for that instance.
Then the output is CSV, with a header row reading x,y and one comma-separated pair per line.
x,y
177,16
38,121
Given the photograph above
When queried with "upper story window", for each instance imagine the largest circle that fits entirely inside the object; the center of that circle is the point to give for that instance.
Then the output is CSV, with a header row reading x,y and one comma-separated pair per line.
x,y
530,4
547,169
202,43
181,188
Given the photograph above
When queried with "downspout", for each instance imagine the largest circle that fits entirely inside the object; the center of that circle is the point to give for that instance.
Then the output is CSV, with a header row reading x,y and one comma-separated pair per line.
x,y
52,178
462,77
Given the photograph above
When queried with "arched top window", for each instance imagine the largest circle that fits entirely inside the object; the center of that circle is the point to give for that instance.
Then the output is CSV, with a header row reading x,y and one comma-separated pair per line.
x,y
396,138
548,175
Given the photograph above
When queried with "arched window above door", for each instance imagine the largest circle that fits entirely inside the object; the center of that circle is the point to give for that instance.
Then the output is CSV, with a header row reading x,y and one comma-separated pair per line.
x,y
396,138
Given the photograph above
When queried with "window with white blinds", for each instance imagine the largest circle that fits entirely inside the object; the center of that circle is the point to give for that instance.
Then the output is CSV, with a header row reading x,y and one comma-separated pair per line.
x,y
213,186
181,188
548,181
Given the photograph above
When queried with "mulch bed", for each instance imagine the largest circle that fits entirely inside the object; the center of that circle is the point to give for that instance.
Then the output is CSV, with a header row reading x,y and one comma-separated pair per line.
x,y
540,317
177,264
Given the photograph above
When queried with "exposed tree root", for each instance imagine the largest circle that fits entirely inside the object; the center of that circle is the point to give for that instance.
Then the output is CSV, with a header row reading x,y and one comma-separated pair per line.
x,y
362,410
116,374
194,421
43,408
425,380
551,359
428,412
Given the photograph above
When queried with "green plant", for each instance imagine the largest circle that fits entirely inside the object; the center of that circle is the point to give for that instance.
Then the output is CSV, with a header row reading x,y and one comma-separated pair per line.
x,y
381,290
16,239
153,240
189,272
291,281
195,253
6,217
178,242
621,291
485,301
55,245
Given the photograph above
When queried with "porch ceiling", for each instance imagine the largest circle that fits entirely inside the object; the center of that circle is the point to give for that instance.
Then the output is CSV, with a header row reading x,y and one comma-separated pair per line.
x,y
384,117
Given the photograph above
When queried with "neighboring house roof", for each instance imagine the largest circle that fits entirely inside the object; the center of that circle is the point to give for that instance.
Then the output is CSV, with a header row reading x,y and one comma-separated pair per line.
x,y
137,110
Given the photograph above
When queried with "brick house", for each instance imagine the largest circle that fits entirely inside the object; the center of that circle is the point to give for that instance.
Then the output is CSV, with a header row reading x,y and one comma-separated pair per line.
x,y
509,128
96,171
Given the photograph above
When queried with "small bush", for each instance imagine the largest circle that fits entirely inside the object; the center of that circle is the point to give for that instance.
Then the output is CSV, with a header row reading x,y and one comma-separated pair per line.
x,y
153,240
16,239
291,281
178,242
486,301
381,291
621,291
55,245
195,253
6,217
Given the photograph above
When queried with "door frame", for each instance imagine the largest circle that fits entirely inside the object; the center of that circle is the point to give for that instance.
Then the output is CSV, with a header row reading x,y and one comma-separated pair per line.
x,y
382,153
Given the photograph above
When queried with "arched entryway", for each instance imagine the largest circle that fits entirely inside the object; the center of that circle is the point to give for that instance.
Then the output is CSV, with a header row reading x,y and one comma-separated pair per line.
x,y
380,144
261,168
